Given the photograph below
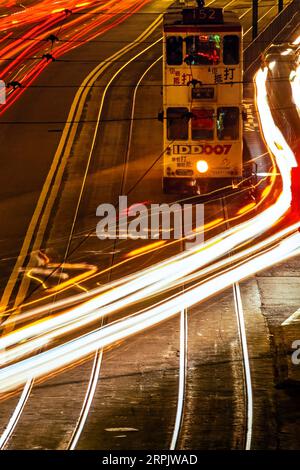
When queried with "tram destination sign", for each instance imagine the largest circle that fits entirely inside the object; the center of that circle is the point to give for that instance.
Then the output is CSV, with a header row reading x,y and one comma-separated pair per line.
x,y
202,16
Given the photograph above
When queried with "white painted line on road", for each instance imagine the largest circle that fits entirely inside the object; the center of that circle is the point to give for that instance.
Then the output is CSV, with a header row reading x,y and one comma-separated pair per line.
x,y
87,400
243,337
16,414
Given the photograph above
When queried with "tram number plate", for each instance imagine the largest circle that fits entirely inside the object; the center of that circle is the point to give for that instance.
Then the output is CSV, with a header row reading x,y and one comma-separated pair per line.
x,y
201,149
203,93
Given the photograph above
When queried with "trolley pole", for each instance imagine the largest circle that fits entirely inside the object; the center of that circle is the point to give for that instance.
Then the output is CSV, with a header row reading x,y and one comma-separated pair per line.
x,y
280,5
254,19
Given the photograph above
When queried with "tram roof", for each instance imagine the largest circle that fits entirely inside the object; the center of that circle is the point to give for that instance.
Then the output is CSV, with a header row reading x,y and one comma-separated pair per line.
x,y
176,19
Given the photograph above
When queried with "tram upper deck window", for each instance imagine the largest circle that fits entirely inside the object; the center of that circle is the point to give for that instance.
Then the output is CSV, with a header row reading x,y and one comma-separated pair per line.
x,y
231,50
174,50
178,123
203,123
228,123
203,49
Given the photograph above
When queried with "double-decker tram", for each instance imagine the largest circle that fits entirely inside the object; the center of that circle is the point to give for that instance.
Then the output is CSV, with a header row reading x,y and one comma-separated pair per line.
x,y
202,97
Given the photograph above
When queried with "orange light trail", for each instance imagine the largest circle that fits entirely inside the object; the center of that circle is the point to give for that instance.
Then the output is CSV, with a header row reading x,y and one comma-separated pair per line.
x,y
145,249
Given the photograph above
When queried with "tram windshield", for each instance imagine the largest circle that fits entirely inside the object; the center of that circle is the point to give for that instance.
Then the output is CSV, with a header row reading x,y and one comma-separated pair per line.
x,y
228,123
202,123
174,50
203,50
178,124
231,52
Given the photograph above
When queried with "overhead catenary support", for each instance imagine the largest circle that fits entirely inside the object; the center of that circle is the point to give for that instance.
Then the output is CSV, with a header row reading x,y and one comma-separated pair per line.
x,y
254,18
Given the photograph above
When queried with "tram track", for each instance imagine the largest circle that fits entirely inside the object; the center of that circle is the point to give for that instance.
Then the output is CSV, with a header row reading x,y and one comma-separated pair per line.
x,y
240,321
240,318
95,373
99,355
183,351
70,134
236,323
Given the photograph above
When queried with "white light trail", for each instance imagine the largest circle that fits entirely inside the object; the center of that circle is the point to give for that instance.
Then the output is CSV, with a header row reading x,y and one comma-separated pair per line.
x,y
44,338
295,85
247,370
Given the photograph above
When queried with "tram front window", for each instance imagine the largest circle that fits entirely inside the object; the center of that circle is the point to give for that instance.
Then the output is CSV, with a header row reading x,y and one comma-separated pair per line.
x,y
178,123
228,123
203,124
203,50
174,50
231,50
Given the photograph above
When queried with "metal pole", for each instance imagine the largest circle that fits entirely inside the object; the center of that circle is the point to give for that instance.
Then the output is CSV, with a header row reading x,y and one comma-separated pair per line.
x,y
280,5
254,18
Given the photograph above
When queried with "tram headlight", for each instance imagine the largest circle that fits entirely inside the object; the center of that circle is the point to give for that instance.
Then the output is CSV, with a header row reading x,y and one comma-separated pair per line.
x,y
202,166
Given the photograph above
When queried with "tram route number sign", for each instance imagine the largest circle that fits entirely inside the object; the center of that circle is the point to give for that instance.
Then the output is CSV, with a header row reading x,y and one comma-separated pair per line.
x,y
205,149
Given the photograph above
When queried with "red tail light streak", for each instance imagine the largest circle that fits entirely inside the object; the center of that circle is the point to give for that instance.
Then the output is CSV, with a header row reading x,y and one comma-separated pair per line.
x,y
25,33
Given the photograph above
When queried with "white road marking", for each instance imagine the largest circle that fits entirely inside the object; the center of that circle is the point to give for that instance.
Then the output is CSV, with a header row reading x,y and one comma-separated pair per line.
x,y
182,378
243,337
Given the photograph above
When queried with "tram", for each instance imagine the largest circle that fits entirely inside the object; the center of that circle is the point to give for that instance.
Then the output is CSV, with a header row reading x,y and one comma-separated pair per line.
x,y
202,97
